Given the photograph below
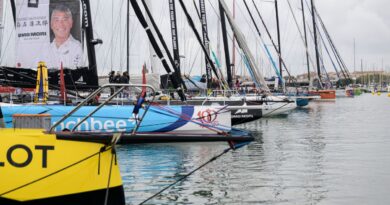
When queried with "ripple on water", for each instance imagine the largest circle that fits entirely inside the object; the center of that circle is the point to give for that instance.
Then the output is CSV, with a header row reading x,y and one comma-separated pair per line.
x,y
326,153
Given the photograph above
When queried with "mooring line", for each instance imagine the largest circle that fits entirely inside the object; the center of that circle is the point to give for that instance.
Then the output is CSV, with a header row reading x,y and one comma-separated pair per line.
x,y
53,173
187,175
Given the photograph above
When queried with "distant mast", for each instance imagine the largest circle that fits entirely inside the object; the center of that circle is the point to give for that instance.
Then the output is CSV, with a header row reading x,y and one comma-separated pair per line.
x,y
250,60
234,46
226,46
316,43
279,43
305,35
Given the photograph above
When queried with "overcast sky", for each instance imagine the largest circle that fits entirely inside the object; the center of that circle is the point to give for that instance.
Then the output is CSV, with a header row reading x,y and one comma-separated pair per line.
x,y
365,21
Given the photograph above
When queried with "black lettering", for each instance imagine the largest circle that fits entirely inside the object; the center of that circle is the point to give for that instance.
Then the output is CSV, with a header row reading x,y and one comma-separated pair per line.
x,y
1,164
44,153
23,164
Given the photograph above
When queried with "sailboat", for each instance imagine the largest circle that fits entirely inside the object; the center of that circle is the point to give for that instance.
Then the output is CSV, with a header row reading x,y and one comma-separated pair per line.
x,y
38,167
165,119
243,108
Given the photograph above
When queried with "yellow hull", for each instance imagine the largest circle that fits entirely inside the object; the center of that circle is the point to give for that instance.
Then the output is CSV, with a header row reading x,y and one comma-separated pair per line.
x,y
36,166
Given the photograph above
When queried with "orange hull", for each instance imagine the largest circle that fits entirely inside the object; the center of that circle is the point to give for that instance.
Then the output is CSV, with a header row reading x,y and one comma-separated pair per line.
x,y
327,94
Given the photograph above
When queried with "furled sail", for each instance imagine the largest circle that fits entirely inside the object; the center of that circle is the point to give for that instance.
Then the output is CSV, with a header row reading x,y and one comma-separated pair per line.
x,y
257,76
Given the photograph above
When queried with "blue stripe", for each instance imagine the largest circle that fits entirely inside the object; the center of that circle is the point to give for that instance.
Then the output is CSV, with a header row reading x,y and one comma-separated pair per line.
x,y
187,111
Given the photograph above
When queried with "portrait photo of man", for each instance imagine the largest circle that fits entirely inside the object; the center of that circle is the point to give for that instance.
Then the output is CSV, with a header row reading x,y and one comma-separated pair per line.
x,y
64,47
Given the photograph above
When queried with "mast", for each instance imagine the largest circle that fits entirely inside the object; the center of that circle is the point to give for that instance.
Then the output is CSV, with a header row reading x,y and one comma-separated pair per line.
x,y
91,42
354,55
315,42
340,61
226,46
265,46
162,41
234,45
206,42
174,79
198,38
279,43
305,35
254,69
175,40
128,39
13,7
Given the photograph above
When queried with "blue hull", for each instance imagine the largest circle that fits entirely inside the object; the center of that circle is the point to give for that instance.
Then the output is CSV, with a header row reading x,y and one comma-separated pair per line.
x,y
109,118
301,102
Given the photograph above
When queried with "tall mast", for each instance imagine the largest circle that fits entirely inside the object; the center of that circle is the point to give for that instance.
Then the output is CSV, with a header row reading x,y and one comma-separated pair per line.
x,y
279,43
91,42
250,60
234,45
198,38
315,42
128,39
354,55
162,41
206,42
305,35
173,77
13,7
175,40
226,46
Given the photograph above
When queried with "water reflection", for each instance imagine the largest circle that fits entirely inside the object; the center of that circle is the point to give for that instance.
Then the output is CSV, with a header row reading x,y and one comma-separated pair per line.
x,y
327,153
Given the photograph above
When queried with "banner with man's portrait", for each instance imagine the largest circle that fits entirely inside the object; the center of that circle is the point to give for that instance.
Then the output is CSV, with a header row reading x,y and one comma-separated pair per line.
x,y
49,31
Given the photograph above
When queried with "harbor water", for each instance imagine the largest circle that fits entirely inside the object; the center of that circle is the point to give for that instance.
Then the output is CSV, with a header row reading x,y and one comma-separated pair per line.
x,y
326,153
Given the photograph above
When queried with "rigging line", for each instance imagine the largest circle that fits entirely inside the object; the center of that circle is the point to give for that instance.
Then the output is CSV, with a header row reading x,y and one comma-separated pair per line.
x,y
157,49
330,43
221,80
336,53
116,138
112,34
9,36
259,78
321,57
237,48
192,25
112,47
187,175
267,52
103,149
189,118
194,61
96,11
219,19
265,46
301,34
165,46
330,57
